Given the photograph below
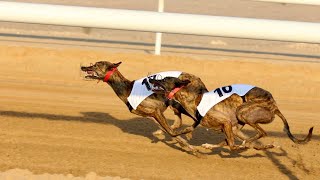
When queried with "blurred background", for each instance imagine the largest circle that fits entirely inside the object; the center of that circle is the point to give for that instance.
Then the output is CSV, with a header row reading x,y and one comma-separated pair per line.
x,y
173,44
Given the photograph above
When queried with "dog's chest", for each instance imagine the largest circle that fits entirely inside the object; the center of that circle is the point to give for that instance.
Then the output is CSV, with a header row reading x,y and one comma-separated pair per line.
x,y
142,88
212,98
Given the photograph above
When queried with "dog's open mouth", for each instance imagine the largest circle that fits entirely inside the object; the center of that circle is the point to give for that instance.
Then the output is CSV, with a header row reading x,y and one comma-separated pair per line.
x,y
89,73
157,87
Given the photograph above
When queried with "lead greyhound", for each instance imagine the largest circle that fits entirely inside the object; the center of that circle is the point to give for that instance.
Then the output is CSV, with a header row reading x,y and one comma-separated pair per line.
x,y
153,105
235,106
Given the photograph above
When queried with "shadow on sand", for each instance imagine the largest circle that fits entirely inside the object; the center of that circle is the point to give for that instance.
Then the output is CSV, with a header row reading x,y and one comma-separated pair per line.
x,y
144,127
138,125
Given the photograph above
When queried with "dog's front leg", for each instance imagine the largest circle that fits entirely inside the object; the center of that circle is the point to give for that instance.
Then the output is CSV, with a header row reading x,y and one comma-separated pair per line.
x,y
160,118
177,120
176,124
186,130
191,129
184,143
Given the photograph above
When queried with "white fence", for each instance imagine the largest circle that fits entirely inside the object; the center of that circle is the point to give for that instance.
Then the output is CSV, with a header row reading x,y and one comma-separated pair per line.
x,y
157,47
160,22
307,2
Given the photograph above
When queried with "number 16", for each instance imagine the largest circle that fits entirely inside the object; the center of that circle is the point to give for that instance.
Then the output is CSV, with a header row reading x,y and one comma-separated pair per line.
x,y
225,89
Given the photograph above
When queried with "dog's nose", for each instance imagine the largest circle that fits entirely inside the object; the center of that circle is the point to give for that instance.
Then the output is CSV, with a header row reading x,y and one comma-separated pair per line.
x,y
152,80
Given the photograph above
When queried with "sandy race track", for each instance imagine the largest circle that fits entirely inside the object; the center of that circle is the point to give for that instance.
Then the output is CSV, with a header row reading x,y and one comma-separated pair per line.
x,y
52,121
56,125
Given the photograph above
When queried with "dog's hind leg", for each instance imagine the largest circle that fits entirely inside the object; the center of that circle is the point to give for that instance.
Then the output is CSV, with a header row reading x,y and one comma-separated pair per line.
x,y
252,114
239,134
236,131
227,128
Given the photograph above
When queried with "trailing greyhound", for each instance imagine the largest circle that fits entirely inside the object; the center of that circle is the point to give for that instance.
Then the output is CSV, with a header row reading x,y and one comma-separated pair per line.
x,y
226,108
139,97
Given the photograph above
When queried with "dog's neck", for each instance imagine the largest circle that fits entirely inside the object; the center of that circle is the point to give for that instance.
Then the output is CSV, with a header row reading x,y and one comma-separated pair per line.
x,y
189,99
120,85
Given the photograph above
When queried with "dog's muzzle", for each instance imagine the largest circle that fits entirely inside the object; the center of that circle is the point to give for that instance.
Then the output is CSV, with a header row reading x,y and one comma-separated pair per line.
x,y
157,87
89,73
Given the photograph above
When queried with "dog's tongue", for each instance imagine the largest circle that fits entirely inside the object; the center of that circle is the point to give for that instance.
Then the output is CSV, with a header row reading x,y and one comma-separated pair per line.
x,y
89,72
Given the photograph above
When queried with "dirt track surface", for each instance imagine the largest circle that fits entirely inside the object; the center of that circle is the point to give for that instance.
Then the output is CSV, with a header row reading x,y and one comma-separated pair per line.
x,y
52,121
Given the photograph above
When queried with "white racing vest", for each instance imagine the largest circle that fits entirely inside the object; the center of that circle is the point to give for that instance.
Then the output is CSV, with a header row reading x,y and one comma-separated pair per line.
x,y
142,88
209,99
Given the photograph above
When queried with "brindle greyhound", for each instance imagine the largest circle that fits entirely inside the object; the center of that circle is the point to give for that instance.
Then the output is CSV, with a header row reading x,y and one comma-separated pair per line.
x,y
153,106
256,107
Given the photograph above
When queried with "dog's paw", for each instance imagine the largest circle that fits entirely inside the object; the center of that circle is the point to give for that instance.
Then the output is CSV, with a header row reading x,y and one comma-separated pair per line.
x,y
158,132
155,140
242,147
248,144
209,146
276,145
268,146
263,147
200,155
189,135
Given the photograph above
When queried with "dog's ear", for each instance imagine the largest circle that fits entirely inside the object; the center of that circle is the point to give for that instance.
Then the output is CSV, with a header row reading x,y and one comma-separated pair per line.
x,y
115,65
182,83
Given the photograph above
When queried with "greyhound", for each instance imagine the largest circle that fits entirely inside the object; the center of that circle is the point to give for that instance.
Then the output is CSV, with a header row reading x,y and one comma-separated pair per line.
x,y
152,105
230,108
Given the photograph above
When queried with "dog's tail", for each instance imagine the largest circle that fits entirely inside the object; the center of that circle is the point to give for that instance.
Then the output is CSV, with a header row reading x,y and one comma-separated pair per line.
x,y
287,130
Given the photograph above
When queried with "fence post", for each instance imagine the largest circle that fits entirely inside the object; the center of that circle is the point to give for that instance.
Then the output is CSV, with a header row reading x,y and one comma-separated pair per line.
x,y
157,50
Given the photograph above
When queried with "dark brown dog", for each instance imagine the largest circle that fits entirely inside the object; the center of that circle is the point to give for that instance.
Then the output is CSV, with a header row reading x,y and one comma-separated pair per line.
x,y
153,106
256,107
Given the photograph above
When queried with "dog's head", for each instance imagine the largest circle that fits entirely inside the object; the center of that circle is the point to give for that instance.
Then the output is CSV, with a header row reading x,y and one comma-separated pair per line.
x,y
99,70
166,85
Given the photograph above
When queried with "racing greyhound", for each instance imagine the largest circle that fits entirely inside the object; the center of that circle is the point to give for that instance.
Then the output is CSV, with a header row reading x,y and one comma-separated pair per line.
x,y
227,107
139,97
